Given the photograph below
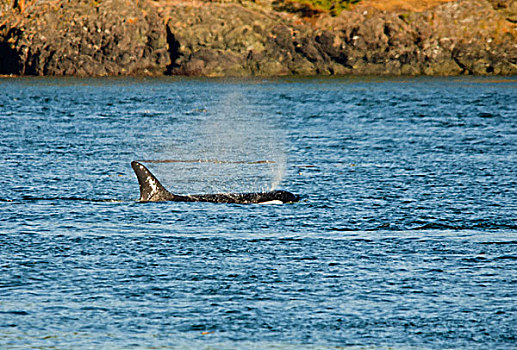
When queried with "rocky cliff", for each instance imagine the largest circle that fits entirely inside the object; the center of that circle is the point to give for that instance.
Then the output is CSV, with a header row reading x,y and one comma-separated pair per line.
x,y
83,38
255,38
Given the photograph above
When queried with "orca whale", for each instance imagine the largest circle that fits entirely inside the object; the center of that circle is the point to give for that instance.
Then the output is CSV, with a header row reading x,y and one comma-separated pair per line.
x,y
151,190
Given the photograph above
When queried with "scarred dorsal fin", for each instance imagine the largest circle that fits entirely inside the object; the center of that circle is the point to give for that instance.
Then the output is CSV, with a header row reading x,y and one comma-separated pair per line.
x,y
151,190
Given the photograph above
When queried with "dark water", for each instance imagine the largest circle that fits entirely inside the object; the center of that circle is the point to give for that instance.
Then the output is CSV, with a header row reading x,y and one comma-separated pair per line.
x,y
406,236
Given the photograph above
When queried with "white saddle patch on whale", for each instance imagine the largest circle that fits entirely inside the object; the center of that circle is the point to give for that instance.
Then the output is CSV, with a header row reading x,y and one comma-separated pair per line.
x,y
276,201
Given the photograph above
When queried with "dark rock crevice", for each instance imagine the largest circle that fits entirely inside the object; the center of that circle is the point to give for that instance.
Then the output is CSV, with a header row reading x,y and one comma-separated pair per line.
x,y
173,51
9,59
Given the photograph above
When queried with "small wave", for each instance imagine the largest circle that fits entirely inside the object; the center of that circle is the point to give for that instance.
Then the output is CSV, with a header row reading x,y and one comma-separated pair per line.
x,y
486,115
396,227
15,312
500,243
342,229
506,257
466,226
81,199
436,226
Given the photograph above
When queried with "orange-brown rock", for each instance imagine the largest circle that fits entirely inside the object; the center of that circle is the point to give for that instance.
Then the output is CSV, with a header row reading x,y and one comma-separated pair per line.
x,y
257,38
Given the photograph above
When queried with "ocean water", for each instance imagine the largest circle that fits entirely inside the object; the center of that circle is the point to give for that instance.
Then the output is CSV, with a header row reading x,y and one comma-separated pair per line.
x,y
405,237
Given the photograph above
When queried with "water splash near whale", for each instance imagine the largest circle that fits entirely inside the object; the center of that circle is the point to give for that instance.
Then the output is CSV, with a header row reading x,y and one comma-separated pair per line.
x,y
230,147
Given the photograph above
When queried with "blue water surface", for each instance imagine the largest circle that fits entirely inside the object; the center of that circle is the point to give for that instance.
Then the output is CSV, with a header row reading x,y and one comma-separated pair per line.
x,y
405,238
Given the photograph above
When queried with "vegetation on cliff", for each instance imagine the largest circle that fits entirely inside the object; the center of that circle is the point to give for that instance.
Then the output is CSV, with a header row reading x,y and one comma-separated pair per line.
x,y
308,8
258,37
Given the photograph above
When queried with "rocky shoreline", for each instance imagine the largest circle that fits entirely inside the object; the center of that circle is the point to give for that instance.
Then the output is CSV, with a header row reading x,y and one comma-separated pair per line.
x,y
254,38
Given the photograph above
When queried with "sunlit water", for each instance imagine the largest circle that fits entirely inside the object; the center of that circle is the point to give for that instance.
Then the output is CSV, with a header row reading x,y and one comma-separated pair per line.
x,y
406,236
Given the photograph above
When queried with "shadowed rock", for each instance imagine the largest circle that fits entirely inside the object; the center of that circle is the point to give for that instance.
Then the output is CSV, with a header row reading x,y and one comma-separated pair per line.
x,y
84,38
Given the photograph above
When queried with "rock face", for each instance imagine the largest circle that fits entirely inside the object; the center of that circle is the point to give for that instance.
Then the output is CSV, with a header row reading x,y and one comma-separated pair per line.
x,y
208,38
84,38
464,37
232,40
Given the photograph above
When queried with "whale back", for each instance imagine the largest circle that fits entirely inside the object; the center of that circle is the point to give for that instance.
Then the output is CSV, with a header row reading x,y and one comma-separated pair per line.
x,y
151,190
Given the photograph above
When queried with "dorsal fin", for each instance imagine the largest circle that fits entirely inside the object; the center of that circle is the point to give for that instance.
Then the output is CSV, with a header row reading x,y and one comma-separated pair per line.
x,y
151,190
